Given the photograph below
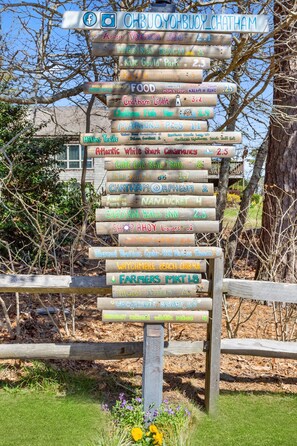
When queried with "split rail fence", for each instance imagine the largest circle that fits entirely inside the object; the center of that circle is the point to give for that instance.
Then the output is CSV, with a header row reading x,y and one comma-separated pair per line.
x,y
245,289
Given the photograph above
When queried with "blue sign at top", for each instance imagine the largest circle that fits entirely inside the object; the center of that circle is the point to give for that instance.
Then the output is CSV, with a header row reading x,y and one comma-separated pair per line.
x,y
164,21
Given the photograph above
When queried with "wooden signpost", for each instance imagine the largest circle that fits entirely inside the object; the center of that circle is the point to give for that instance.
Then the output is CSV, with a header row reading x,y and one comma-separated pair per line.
x,y
174,138
173,37
148,201
168,88
140,75
172,63
165,176
158,126
124,49
156,163
161,113
165,100
157,158
158,227
164,151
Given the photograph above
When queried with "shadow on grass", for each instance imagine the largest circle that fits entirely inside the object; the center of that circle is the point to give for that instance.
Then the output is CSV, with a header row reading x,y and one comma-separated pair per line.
x,y
88,381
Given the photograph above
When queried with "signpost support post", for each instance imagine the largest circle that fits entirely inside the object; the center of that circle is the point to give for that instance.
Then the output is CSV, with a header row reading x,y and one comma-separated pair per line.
x,y
153,334
212,369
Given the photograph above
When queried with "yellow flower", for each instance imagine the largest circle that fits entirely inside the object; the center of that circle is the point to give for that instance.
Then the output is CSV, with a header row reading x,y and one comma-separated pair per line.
x,y
158,439
136,433
153,429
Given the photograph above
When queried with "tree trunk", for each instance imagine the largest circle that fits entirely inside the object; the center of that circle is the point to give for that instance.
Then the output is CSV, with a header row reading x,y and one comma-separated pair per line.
x,y
278,243
225,163
237,229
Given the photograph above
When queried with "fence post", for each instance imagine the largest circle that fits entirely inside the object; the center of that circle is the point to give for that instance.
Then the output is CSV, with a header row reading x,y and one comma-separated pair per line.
x,y
212,370
152,375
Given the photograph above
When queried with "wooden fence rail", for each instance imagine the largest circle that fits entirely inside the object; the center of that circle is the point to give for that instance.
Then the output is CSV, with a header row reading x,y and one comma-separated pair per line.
x,y
246,289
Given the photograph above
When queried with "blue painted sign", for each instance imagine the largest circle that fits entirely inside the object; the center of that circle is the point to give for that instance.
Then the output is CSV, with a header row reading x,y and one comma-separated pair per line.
x,y
164,21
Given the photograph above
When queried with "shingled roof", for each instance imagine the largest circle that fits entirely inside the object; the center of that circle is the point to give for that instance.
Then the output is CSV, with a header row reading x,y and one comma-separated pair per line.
x,y
69,120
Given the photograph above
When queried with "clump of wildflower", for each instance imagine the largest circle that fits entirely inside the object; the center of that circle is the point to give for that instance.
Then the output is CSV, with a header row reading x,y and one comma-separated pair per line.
x,y
136,433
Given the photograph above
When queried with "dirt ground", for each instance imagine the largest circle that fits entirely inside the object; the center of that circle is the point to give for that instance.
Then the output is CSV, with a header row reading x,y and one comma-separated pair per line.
x,y
183,373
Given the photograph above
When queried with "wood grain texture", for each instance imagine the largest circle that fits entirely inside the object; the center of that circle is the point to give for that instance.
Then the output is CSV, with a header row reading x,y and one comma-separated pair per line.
x,y
152,369
160,138
173,37
154,113
157,317
158,227
262,290
259,347
11,283
162,100
139,188
156,278
149,201
157,252
165,176
88,351
157,240
156,265
154,126
151,88
181,63
147,291
172,75
214,329
185,303
123,49
178,152
155,214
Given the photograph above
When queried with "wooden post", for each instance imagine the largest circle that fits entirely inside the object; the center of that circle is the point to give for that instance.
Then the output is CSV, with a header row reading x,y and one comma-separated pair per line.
x,y
212,371
152,372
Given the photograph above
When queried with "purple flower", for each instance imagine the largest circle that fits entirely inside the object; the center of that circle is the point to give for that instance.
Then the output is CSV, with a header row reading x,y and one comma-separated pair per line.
x,y
128,407
104,407
123,403
165,401
138,400
121,396
188,412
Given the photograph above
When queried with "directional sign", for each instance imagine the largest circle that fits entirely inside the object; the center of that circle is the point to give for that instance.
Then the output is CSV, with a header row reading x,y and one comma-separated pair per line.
x,y
196,303
164,21
160,188
158,126
180,38
157,317
185,290
158,252
157,163
164,176
143,152
124,49
157,240
134,214
161,113
153,75
112,139
164,100
158,227
156,265
181,63
159,88
155,278
148,201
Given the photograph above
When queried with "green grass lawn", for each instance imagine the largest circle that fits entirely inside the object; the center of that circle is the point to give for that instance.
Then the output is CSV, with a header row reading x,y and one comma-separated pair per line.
x,y
43,419
254,218
49,407
250,420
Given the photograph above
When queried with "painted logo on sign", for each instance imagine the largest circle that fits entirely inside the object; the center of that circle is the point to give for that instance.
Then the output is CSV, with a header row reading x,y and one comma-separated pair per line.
x,y
90,19
157,188
108,20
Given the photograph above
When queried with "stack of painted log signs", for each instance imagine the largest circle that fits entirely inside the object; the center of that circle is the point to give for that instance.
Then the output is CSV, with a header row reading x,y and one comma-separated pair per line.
x,y
157,160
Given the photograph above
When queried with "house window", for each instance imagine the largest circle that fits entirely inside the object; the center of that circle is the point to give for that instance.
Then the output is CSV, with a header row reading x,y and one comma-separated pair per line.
x,y
72,157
